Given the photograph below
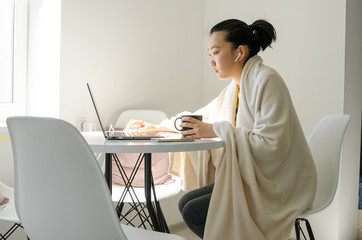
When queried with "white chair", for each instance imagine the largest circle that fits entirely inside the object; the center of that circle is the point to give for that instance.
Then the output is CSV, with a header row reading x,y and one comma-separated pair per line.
x,y
325,144
60,191
163,191
7,211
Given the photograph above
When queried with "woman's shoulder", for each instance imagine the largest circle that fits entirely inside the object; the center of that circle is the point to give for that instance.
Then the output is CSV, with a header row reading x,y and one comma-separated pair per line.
x,y
258,70
264,74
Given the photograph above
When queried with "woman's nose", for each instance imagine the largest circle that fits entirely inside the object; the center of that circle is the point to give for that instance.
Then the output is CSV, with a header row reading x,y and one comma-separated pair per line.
x,y
212,63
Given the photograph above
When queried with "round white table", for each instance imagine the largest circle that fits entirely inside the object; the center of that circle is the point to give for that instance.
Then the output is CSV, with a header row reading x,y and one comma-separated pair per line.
x,y
99,144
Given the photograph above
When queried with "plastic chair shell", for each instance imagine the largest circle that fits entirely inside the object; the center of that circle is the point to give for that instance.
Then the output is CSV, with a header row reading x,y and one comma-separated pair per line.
x,y
60,191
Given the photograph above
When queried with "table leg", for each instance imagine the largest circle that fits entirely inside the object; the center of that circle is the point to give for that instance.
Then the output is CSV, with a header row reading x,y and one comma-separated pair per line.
x,y
154,210
157,217
108,171
148,188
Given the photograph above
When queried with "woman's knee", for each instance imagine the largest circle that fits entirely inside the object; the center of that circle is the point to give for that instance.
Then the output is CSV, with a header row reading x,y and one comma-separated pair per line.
x,y
194,214
187,197
183,201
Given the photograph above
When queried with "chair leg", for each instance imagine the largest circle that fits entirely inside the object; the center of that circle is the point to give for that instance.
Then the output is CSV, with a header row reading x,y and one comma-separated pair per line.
x,y
10,231
299,230
119,209
296,228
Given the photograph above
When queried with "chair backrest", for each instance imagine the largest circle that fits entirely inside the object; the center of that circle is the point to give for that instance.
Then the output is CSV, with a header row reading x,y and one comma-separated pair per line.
x,y
325,144
60,191
151,116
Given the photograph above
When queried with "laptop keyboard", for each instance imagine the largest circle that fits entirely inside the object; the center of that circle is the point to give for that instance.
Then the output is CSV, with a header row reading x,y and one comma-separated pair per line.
x,y
126,134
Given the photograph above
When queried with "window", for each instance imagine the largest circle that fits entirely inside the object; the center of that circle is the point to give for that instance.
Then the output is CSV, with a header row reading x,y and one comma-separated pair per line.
x,y
7,51
13,56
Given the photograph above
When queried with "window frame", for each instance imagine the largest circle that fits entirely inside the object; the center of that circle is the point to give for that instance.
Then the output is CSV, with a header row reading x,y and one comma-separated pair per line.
x,y
18,106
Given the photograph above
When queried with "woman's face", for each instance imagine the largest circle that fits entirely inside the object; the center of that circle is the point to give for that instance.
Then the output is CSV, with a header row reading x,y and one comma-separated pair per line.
x,y
223,57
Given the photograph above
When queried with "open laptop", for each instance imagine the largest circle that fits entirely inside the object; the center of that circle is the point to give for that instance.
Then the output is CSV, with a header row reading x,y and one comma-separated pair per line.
x,y
121,135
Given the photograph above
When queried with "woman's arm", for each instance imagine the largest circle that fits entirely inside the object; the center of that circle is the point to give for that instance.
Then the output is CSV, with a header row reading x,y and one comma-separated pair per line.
x,y
144,126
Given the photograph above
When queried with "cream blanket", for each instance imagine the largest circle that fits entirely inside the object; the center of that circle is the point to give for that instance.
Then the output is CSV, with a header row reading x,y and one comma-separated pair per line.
x,y
265,176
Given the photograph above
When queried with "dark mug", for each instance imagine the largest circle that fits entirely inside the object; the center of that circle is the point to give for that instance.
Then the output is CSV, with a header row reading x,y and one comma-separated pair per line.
x,y
198,117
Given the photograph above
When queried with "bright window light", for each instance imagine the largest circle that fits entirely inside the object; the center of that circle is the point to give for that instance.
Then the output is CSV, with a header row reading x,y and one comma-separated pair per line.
x,y
6,50
13,57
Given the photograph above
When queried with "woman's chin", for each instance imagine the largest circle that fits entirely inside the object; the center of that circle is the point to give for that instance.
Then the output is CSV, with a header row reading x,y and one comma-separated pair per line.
x,y
223,78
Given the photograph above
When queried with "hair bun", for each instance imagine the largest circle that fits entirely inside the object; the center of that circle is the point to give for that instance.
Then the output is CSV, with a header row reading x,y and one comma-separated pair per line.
x,y
253,30
264,33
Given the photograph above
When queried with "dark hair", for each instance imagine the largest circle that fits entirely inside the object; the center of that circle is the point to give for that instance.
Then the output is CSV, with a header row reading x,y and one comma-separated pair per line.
x,y
257,36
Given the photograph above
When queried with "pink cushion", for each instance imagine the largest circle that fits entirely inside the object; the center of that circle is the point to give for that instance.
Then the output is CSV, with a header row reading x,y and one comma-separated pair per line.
x,y
3,199
160,164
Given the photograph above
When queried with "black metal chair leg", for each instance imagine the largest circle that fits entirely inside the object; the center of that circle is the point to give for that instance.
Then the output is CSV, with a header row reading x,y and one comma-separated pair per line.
x,y
13,228
299,230
119,209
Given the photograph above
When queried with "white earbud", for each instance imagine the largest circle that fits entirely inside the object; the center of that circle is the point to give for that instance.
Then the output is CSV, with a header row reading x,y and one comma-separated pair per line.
x,y
237,57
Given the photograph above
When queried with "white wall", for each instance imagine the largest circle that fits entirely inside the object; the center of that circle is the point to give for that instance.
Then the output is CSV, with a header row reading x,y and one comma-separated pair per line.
x,y
134,55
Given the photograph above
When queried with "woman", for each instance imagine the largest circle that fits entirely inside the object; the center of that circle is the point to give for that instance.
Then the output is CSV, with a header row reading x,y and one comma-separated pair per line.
x,y
265,176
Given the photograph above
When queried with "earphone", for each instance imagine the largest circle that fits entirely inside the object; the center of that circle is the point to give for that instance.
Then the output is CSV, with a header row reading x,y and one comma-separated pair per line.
x,y
237,57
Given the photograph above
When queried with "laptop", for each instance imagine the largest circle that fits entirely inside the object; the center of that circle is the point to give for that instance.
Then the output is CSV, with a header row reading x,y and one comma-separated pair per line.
x,y
121,135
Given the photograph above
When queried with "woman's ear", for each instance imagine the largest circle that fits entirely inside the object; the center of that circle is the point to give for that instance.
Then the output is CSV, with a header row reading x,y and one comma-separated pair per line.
x,y
244,52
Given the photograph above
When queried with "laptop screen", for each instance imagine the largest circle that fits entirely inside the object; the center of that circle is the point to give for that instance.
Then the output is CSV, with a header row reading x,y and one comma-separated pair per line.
x,y
96,109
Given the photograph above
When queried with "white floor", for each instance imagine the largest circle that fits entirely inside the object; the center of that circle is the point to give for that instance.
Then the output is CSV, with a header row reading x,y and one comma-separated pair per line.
x,y
186,233
20,235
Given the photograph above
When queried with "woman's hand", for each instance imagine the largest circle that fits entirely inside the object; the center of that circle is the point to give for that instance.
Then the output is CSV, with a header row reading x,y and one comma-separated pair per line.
x,y
137,124
199,129
143,126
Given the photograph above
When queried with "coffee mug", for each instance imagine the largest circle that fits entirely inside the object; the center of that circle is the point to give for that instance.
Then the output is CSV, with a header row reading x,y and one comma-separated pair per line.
x,y
198,117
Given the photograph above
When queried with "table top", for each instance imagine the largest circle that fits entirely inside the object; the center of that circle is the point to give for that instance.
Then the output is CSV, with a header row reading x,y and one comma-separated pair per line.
x,y
100,145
